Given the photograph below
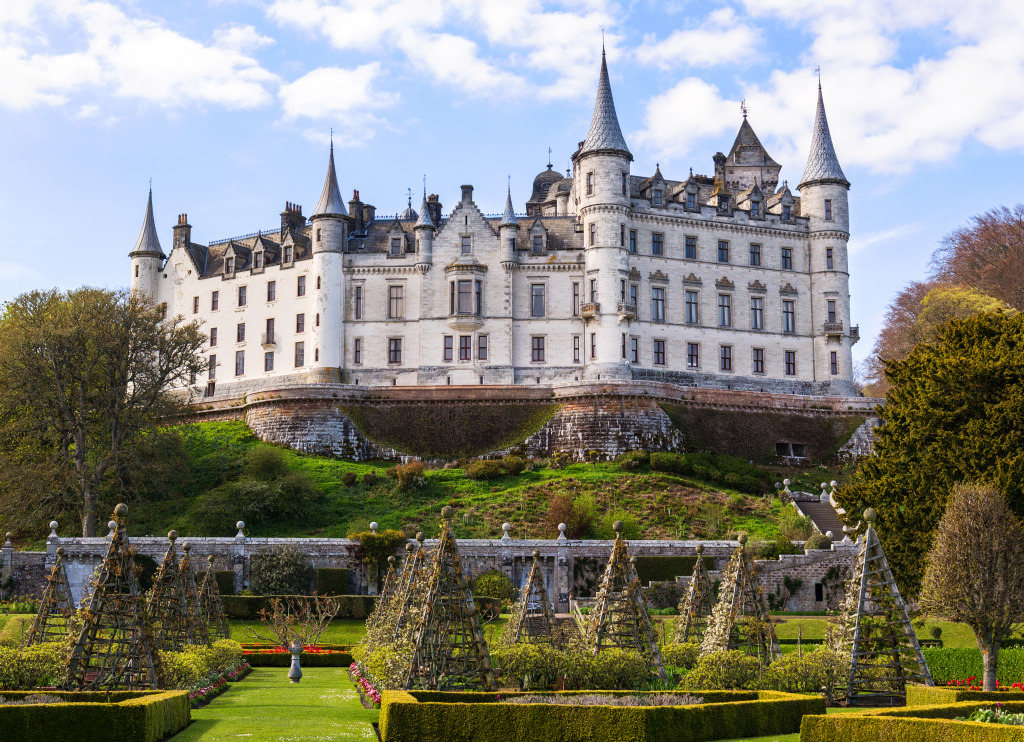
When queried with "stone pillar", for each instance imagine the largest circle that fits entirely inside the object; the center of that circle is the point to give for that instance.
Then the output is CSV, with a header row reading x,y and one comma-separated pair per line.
x,y
563,573
6,560
507,560
52,542
238,562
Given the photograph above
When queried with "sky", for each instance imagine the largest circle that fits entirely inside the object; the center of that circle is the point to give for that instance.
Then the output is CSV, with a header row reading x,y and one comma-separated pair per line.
x,y
228,106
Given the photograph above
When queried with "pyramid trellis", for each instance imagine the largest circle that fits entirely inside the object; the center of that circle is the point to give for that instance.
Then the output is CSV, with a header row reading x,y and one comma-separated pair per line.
x,y
211,607
387,594
449,649
168,609
114,648
619,617
533,619
192,597
407,604
875,631
740,619
55,609
696,606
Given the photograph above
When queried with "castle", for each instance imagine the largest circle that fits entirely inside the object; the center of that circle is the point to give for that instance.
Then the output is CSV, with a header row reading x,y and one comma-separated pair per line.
x,y
727,281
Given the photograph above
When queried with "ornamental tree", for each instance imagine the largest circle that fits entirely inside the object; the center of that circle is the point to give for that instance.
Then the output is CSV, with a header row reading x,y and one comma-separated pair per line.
x,y
975,570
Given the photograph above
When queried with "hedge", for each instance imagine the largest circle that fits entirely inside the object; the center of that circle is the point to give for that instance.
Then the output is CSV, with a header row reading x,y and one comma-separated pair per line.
x,y
913,724
225,581
331,581
283,659
667,568
477,717
249,606
97,716
959,664
920,695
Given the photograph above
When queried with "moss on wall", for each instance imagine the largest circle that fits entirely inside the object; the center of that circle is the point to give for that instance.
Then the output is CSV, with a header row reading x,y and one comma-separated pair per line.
x,y
753,435
453,430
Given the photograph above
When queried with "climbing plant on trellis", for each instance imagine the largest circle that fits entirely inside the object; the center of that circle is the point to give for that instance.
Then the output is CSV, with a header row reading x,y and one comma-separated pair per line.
x,y
385,599
533,619
874,631
56,608
169,613
192,597
740,619
211,607
696,606
407,604
114,648
449,649
619,617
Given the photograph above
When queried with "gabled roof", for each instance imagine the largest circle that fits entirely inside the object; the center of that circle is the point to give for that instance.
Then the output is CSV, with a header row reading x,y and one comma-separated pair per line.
x,y
605,133
748,150
330,203
148,241
822,163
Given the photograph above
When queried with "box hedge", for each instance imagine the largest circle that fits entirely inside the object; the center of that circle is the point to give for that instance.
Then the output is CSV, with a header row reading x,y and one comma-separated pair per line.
x,y
478,717
225,581
248,607
283,659
118,716
331,581
960,664
920,695
911,724
667,568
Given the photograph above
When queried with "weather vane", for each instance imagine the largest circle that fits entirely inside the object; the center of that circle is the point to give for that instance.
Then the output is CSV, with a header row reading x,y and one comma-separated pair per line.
x,y
743,107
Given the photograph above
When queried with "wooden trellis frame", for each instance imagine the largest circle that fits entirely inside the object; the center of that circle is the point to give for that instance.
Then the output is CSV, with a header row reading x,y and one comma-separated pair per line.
x,y
875,632
408,601
533,619
696,606
211,607
449,648
192,597
387,595
619,617
740,619
56,608
114,649
169,614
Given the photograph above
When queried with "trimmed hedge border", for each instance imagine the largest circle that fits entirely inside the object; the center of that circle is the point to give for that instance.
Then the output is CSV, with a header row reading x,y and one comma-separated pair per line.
x,y
958,664
248,607
96,716
922,695
912,724
667,568
283,659
431,716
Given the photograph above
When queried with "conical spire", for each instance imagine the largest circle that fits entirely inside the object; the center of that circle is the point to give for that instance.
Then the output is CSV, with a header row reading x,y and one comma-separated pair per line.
x,y
330,203
822,163
605,133
424,219
148,241
508,219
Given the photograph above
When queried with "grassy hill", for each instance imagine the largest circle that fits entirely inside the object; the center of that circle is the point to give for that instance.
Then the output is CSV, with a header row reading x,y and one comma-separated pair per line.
x,y
218,473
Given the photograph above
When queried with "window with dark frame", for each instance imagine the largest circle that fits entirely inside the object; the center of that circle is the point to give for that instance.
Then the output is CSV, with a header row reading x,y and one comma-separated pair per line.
x,y
786,212
271,290
575,348
537,349
632,240
625,184
831,310
633,289
691,248
723,251
788,317
449,348
575,299
359,302
724,310
536,300
622,235
481,347
692,307
787,258
593,345
659,352
758,358
270,329
257,260
657,304
239,363
538,243
212,369
465,297
214,301
828,258
833,362
394,350
693,355
268,361
242,297
657,243
213,336
396,245
240,333
828,209
467,245
623,350
691,201
229,265
465,347
289,253
755,254
725,357
593,290
357,351
756,313
790,362
300,354
396,302
656,199
593,234
590,184
300,322
634,350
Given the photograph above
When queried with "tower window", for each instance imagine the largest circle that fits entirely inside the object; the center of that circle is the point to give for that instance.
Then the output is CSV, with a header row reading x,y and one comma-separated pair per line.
x,y
632,240
317,284
787,258
828,258
590,184
359,302
833,358
625,184
657,244
300,354
593,234
828,209
136,271
831,310
300,286
575,299
691,248
622,235
593,290
357,351
723,251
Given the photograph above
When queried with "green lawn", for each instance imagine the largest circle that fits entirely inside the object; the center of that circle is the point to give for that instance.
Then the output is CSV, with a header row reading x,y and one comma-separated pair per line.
x,y
265,706
12,626
341,631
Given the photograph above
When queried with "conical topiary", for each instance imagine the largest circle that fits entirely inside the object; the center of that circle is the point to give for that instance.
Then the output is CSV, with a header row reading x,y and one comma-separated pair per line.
x,y
533,619
696,606
55,609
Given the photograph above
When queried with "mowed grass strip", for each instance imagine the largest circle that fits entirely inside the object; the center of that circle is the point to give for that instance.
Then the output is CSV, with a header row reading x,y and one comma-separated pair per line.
x,y
266,707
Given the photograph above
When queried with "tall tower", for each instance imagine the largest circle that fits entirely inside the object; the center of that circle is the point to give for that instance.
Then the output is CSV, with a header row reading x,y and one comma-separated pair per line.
x,y
601,190
147,256
824,201
330,231
424,229
508,231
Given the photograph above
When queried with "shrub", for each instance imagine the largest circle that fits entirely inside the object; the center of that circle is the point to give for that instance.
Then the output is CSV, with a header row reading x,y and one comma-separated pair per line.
x,y
793,526
578,515
24,669
662,595
331,581
633,460
673,463
732,670
380,545
483,470
184,669
370,478
814,671
684,656
667,568
494,584
265,463
818,541
935,632
280,570
630,530
349,478
958,664
542,667
224,653
409,476
513,465
225,581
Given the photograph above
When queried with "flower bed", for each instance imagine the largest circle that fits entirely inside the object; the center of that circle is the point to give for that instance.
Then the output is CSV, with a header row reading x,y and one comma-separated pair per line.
x,y
958,664
912,724
368,693
209,688
317,656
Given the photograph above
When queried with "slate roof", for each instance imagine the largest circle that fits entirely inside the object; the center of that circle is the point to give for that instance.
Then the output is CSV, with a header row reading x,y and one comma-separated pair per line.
x,y
424,219
822,163
748,150
604,133
509,217
148,241
330,202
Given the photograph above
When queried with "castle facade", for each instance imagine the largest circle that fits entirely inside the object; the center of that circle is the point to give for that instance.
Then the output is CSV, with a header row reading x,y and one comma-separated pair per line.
x,y
729,281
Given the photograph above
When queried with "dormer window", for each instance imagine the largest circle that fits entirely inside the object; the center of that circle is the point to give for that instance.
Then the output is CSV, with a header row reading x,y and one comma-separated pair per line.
x,y
289,254
656,198
787,211
229,265
538,243
755,208
257,260
691,200
396,245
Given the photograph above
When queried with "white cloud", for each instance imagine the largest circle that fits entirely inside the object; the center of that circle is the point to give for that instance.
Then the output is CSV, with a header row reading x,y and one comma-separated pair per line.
x,y
859,244
721,39
240,38
689,112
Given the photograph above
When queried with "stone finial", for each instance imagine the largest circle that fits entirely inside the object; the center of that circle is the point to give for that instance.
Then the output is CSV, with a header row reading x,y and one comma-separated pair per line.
x,y
53,529
700,549
112,525
186,547
536,554
60,551
447,512
391,561
742,538
561,532
410,548
172,536
121,511
420,537
785,486
7,539
618,526
828,535
506,536
210,560
373,527
870,515
240,525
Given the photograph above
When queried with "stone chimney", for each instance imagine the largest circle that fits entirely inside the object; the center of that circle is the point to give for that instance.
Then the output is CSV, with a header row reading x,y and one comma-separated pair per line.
x,y
182,231
369,213
467,195
434,207
355,210
291,218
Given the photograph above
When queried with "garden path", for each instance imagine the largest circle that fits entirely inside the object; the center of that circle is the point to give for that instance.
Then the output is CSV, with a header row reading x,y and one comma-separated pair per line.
x,y
266,707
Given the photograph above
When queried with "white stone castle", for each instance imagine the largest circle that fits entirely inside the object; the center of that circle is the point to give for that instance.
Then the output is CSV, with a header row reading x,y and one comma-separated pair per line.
x,y
726,281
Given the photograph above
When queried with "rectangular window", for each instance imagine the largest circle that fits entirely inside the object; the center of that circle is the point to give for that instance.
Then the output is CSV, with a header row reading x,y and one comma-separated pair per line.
x,y
593,290
755,208
481,347
214,301
788,317
575,299
465,305
831,310
691,248
725,356
300,323
394,350
396,245
658,305
270,329
538,243
300,286
536,300
239,363
300,354
213,337
396,302
790,359
213,367
657,244
268,361
593,234
659,352
656,199
467,244
479,305
691,201
634,350
787,258
758,360
590,184
272,291
622,290
289,253
724,310
723,251
632,240
257,260
633,289
195,305
449,348
625,184
240,333
756,313
537,349
357,351
692,307
755,255
623,346
241,296
593,345
786,212
833,362
575,348
622,235
229,265
465,347
693,355
359,302
828,258
828,209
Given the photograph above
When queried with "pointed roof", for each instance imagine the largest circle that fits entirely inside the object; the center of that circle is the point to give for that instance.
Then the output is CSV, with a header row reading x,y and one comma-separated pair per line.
x,y
330,203
424,220
822,163
605,133
508,219
148,241
749,149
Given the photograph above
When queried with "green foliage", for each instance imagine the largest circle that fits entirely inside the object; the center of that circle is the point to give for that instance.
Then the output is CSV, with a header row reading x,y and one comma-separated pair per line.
x,y
513,465
793,526
818,541
40,665
953,415
631,526
733,670
578,513
186,668
667,568
484,469
495,584
225,581
959,664
248,607
408,476
808,673
543,667
265,463
280,570
633,460
370,478
380,545
911,724
921,695
682,656
348,478
331,581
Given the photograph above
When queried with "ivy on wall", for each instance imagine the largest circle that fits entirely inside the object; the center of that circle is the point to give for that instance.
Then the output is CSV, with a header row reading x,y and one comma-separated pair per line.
x,y
450,430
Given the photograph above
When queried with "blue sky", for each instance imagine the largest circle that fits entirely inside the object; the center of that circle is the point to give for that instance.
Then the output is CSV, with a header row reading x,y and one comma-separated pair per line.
x,y
227,105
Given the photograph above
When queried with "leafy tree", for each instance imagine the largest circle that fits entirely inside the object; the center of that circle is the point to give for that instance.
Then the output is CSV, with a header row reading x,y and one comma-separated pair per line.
x,y
280,570
955,413
975,570
84,375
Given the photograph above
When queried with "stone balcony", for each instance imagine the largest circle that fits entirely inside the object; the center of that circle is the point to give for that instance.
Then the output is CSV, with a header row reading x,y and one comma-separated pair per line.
x,y
465,322
268,339
854,333
832,329
626,311
590,310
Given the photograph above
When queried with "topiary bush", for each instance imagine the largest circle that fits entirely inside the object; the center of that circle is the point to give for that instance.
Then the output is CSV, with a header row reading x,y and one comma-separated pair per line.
x,y
818,541
810,673
542,667
280,570
494,584
683,656
732,670
380,545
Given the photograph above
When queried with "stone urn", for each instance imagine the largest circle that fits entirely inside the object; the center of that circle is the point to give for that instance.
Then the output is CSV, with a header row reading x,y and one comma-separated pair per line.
x,y
295,671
